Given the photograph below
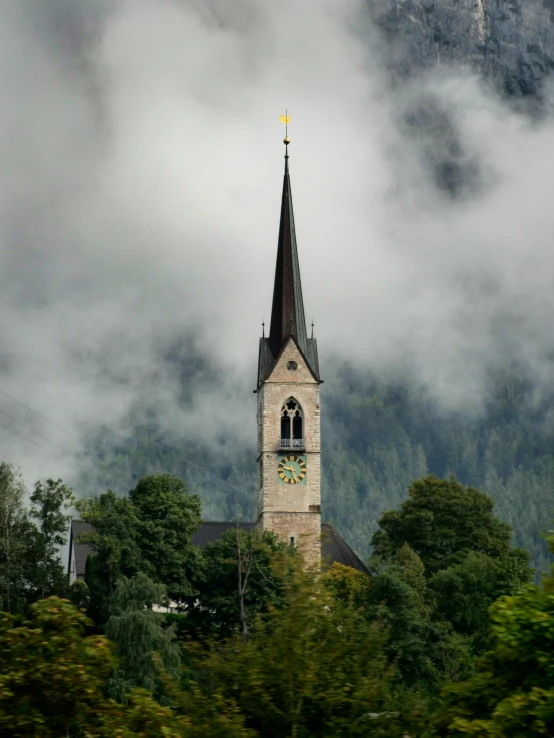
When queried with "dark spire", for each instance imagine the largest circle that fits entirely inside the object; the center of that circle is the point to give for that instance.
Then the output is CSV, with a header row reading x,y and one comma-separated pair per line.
x,y
287,312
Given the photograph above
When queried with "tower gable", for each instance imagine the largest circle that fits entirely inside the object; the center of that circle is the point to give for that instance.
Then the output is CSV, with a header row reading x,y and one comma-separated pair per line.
x,y
291,366
267,362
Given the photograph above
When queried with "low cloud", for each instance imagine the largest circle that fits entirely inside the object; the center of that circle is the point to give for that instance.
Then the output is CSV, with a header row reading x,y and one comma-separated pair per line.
x,y
140,190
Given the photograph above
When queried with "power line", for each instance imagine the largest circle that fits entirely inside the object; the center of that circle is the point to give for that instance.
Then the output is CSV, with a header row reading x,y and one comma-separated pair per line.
x,y
46,451
157,443
200,468
69,433
36,432
20,466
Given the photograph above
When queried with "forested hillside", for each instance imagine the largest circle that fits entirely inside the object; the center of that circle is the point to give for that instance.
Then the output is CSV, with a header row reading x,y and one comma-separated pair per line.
x,y
384,435
378,436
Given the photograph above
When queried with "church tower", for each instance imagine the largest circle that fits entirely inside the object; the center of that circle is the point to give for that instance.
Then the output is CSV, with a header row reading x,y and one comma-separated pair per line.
x,y
289,471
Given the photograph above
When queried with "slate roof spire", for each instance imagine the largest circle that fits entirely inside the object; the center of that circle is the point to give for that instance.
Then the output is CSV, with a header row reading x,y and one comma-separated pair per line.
x,y
287,312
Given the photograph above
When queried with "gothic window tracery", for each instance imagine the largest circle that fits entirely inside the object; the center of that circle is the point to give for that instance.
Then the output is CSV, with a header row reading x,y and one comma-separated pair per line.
x,y
292,424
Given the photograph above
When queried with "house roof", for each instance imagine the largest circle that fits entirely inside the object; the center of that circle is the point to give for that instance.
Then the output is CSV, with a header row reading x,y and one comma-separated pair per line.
x,y
333,547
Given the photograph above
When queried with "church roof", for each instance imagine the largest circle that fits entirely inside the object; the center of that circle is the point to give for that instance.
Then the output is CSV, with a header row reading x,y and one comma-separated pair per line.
x,y
287,310
333,547
211,531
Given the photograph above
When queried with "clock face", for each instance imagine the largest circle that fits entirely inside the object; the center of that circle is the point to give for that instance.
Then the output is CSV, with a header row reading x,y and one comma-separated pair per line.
x,y
292,469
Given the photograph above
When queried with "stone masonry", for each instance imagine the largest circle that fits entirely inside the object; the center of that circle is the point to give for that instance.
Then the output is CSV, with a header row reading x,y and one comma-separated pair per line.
x,y
290,511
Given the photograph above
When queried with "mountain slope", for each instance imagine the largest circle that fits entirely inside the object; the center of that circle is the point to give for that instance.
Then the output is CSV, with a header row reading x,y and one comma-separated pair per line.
x,y
510,43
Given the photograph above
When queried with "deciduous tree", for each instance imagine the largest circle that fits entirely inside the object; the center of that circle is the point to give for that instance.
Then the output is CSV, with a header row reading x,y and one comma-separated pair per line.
x,y
52,678
442,520
237,580
311,668
167,516
512,692
50,504
52,684
149,531
16,535
466,553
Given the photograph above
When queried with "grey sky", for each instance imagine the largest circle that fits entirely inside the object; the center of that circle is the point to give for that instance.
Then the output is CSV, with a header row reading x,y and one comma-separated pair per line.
x,y
139,199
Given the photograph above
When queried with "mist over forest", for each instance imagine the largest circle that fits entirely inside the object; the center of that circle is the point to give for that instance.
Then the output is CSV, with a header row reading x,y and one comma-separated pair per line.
x,y
139,197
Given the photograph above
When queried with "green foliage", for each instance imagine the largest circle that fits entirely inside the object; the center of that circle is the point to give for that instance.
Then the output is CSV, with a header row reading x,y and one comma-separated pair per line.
x,y
347,586
295,654
237,581
464,592
116,550
52,685
149,532
424,647
512,693
213,468
79,594
442,521
50,503
30,565
167,516
16,531
466,553
310,668
139,635
52,678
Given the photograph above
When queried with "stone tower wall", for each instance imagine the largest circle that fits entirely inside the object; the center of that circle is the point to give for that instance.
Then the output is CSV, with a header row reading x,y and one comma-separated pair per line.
x,y
290,510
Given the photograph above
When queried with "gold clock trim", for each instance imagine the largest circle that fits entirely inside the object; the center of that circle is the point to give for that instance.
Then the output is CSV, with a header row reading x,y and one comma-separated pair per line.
x,y
298,476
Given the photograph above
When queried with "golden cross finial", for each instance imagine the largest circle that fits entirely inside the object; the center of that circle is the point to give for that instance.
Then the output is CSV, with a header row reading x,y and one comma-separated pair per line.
x,y
285,119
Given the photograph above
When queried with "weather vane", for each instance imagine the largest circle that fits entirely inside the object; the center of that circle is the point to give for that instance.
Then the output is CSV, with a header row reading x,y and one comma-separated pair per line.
x,y
285,119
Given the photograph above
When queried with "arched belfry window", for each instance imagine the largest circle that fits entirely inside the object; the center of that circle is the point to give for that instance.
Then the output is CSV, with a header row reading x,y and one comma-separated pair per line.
x,y
292,424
